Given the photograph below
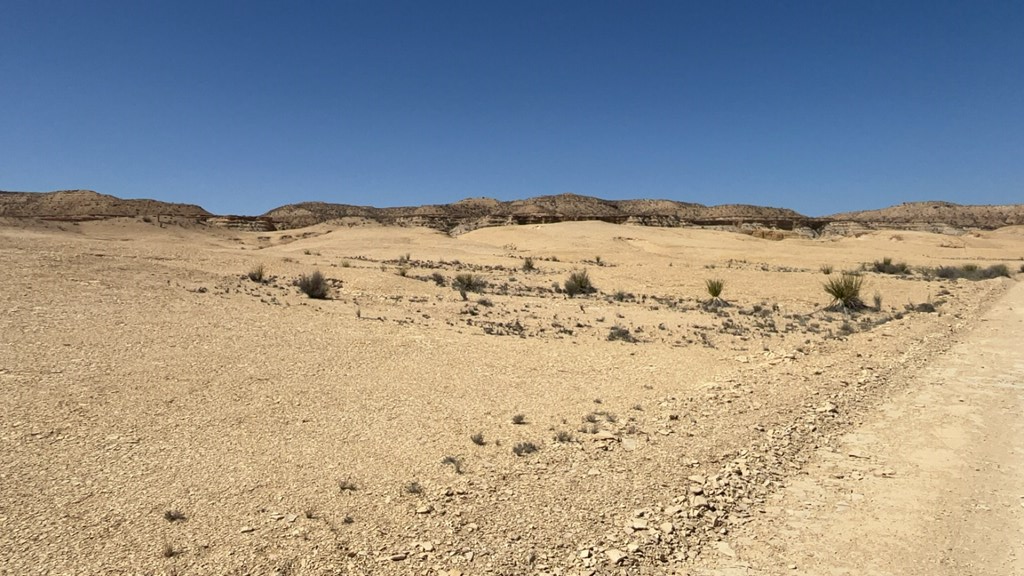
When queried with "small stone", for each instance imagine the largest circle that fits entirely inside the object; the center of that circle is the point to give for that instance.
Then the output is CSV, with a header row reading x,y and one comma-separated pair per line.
x,y
629,444
425,509
585,553
699,502
604,435
615,555
667,527
639,524
696,479
399,557
632,547
427,546
827,408
247,529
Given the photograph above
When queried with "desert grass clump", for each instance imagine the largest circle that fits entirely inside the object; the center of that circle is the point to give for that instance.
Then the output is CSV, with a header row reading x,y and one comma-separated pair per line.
x,y
524,448
826,269
478,439
887,266
563,437
972,272
258,273
468,283
714,286
438,278
845,292
346,485
314,285
414,488
455,463
168,551
529,265
620,333
579,282
519,419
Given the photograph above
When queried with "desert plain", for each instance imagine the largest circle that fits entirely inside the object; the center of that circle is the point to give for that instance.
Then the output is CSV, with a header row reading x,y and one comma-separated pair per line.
x,y
164,413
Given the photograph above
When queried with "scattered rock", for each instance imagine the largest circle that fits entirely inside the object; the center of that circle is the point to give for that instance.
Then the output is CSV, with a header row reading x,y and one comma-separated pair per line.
x,y
615,555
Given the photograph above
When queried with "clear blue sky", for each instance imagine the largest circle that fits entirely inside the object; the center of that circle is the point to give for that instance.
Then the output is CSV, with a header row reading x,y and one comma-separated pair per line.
x,y
242,106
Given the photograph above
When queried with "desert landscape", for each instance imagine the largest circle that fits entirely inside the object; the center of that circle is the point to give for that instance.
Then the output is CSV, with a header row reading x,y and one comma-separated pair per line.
x,y
561,385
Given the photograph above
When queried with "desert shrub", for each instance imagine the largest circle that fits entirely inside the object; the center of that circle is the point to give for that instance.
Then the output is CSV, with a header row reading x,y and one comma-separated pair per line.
x,y
877,298
402,270
478,439
622,296
826,269
579,282
528,265
468,282
1021,269
346,485
845,291
346,264
174,516
485,302
972,272
519,419
524,448
314,285
413,487
258,273
714,287
887,266
620,333
563,436
168,551
438,278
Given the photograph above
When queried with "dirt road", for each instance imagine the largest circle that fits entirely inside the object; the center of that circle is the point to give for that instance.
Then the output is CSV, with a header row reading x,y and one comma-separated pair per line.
x,y
932,484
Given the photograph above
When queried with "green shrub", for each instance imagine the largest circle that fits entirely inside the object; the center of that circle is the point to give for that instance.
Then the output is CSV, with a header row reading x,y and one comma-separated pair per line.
x,y
714,287
579,283
845,291
314,285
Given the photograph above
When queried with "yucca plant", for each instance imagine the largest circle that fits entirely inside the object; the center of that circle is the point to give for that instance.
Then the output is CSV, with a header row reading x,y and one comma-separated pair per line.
x,y
714,287
845,291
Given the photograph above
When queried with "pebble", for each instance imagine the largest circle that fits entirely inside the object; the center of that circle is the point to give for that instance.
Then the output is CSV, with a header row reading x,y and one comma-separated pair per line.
x,y
399,557
247,529
614,555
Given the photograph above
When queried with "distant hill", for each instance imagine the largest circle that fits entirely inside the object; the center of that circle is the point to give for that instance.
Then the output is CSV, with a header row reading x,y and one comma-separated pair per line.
x,y
944,213
473,213
84,204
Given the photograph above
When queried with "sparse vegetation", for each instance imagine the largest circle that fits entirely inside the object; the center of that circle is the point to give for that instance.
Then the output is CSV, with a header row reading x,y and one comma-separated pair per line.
x,y
174,515
826,269
455,462
519,419
438,278
845,291
258,273
478,439
346,485
887,266
579,282
972,272
168,551
468,282
524,448
485,302
620,333
528,265
714,287
314,285
563,436
414,488
877,300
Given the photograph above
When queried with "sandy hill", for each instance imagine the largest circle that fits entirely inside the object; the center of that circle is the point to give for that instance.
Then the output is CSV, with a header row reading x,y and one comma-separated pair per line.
x,y
948,213
79,204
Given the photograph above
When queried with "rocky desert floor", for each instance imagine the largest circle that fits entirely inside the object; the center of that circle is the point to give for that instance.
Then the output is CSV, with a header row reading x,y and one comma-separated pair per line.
x,y
163,413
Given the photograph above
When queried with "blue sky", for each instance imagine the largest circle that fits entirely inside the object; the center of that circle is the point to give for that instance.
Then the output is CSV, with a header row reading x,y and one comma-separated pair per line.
x,y
243,106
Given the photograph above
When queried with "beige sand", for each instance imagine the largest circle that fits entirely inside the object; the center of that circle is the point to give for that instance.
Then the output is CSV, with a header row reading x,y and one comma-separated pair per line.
x,y
142,373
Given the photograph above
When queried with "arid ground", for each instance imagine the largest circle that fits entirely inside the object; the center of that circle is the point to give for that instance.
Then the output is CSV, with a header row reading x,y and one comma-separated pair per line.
x,y
163,413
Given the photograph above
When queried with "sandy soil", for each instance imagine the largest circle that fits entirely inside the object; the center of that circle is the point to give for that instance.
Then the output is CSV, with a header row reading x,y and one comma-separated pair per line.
x,y
164,414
